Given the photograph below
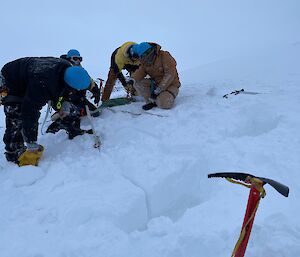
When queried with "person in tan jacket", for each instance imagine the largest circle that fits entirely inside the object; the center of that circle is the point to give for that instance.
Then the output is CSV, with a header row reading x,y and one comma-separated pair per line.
x,y
156,79
120,59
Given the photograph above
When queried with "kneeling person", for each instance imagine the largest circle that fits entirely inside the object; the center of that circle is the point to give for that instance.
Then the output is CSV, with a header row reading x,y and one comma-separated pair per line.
x,y
162,87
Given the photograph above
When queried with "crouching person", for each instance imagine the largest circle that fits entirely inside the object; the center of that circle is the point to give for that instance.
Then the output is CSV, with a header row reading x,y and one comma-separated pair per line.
x,y
70,107
67,117
162,86
121,59
31,82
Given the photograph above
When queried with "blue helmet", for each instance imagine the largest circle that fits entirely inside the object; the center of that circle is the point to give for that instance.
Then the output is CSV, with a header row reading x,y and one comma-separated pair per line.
x,y
77,77
73,52
139,49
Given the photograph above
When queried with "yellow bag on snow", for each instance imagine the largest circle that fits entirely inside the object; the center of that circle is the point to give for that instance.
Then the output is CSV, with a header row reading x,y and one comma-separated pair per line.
x,y
30,158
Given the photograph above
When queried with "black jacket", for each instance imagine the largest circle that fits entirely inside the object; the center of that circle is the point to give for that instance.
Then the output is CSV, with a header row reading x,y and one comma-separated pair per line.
x,y
34,81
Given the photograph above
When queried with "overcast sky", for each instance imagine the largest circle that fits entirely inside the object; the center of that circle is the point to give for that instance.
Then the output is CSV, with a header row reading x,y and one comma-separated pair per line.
x,y
194,31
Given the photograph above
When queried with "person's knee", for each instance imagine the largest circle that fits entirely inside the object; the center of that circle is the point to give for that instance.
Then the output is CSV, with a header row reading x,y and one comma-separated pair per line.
x,y
165,100
143,88
143,83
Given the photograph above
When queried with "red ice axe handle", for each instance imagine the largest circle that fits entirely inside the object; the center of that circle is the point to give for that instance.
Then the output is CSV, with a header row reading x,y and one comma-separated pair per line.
x,y
252,205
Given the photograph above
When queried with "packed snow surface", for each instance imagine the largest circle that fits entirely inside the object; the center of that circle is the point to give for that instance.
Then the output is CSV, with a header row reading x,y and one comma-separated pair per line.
x,y
146,192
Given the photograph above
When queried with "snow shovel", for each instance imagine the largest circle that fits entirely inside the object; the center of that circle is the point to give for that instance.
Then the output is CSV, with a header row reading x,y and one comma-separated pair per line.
x,y
257,192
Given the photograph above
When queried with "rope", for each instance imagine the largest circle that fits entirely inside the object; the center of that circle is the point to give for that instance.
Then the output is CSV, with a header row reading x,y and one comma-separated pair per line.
x,y
243,232
238,182
97,141
47,113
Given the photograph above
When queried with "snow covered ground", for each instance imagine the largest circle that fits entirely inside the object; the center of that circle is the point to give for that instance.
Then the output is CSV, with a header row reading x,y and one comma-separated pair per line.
x,y
146,192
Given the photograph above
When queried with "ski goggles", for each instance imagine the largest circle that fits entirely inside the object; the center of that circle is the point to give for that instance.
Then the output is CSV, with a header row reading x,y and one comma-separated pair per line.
x,y
76,58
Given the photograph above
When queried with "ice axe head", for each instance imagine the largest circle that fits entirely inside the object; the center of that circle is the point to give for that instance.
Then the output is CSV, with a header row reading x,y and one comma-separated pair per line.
x,y
280,188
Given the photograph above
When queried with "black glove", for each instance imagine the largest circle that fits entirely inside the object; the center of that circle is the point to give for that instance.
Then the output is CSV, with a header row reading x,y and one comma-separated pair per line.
x,y
155,93
153,96
96,94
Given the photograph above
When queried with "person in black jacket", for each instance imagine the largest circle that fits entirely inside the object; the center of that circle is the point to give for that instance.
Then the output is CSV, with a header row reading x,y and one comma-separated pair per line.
x,y
31,82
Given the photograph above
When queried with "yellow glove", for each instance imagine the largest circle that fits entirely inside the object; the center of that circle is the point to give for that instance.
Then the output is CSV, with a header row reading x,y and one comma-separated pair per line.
x,y
31,157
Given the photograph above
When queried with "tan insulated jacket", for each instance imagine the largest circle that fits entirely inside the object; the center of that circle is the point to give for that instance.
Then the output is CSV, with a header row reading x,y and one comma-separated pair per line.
x,y
160,66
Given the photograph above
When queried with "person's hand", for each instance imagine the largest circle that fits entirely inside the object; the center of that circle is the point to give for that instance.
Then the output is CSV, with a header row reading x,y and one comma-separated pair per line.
x,y
129,89
96,94
155,93
65,109
129,86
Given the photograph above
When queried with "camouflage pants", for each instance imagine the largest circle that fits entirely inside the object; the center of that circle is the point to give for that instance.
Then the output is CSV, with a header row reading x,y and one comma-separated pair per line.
x,y
13,138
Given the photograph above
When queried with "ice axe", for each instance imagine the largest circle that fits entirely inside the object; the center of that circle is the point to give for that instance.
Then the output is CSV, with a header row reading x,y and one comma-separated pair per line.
x,y
242,91
257,191
100,87
101,84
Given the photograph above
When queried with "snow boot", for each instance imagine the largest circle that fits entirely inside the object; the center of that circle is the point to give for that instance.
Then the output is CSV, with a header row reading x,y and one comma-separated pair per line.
x,y
13,156
149,106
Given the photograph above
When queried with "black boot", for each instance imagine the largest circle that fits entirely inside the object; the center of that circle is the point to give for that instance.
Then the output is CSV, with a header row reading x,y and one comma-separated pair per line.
x,y
95,114
149,106
73,127
11,156
55,126
14,156
75,133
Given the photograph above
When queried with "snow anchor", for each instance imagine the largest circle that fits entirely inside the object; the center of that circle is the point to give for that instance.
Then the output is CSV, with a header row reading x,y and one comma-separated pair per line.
x,y
257,191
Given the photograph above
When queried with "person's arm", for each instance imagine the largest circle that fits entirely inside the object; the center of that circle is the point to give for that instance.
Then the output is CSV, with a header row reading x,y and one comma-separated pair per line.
x,y
118,64
169,65
95,90
122,79
139,74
